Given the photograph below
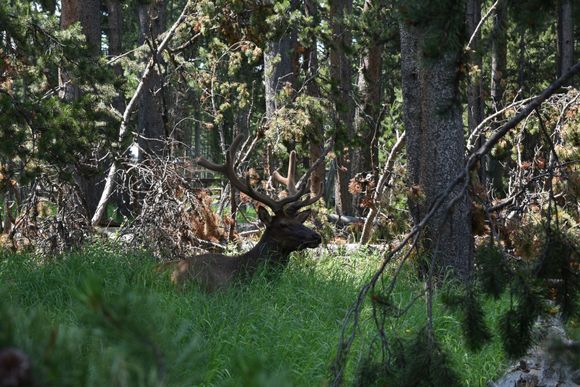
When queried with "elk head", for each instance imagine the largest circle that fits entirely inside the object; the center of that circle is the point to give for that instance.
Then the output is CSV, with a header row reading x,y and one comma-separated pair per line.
x,y
285,231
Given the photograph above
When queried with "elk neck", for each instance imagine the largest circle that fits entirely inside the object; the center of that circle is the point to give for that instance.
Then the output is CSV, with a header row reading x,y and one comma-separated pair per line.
x,y
265,250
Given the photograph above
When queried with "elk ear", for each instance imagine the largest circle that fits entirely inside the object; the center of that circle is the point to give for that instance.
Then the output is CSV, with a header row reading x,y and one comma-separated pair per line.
x,y
264,216
302,216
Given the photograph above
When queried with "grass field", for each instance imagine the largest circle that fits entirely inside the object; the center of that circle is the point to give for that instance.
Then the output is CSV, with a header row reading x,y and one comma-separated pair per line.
x,y
104,318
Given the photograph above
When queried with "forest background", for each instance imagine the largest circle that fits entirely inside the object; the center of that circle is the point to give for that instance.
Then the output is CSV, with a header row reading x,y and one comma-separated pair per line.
x,y
445,133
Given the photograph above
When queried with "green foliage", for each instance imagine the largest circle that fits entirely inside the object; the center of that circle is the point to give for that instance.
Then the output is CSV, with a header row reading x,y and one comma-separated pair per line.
x,y
516,324
40,128
441,24
492,270
552,276
475,330
532,14
468,304
559,268
425,363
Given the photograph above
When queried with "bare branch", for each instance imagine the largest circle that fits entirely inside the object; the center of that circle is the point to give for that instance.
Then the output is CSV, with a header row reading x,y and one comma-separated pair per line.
x,y
468,47
110,180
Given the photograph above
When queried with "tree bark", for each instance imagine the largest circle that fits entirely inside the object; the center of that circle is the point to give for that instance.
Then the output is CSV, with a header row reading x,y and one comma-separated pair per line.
x,y
565,36
435,149
115,38
474,99
88,13
474,88
498,54
151,121
341,77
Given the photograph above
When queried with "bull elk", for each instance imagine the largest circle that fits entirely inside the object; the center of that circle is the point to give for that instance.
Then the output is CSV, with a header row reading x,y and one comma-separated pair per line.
x,y
284,232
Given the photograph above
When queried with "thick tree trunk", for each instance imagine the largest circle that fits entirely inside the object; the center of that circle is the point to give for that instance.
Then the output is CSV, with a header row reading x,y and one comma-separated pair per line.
x,y
367,114
88,13
115,39
341,75
412,114
435,150
565,36
151,121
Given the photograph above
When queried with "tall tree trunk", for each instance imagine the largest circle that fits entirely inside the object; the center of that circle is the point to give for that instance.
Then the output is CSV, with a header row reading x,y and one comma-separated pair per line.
x,y
115,47
435,149
341,76
367,114
316,134
565,36
115,39
498,54
474,95
474,99
151,120
88,13
279,70
498,69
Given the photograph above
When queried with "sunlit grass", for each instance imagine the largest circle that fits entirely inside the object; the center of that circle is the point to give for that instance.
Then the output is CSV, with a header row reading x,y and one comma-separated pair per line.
x,y
101,317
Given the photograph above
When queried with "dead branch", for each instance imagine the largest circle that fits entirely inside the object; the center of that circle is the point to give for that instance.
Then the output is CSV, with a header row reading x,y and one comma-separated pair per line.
x,y
110,180
374,210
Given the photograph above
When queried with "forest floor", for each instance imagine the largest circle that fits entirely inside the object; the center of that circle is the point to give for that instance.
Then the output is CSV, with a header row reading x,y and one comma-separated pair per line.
x,y
103,317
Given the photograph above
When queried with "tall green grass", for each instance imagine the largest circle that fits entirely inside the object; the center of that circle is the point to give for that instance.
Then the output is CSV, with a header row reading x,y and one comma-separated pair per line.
x,y
101,317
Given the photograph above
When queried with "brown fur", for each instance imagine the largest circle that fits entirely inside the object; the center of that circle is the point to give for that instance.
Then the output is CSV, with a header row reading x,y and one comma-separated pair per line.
x,y
284,234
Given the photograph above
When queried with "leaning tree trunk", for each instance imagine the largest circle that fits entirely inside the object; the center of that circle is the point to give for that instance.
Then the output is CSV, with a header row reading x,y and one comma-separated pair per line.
x,y
87,175
565,36
341,76
435,149
151,120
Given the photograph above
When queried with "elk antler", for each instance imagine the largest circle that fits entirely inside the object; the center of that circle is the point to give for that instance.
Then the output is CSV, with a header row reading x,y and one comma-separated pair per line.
x,y
227,169
289,181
